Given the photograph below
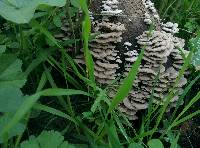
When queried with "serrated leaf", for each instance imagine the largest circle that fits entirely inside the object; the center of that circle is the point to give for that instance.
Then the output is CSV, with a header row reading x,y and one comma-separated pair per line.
x,y
11,81
155,143
100,97
50,139
31,143
21,11
47,139
16,130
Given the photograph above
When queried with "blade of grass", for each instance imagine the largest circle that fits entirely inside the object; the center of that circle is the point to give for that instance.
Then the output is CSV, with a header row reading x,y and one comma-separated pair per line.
x,y
42,56
112,136
42,82
53,85
36,25
169,6
41,85
121,128
86,130
194,100
190,116
175,142
174,124
127,84
151,108
67,106
69,78
145,134
53,111
182,96
31,100
86,29
72,63
171,93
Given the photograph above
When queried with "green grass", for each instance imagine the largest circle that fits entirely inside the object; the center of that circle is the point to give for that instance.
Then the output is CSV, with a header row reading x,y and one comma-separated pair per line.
x,y
185,12
63,91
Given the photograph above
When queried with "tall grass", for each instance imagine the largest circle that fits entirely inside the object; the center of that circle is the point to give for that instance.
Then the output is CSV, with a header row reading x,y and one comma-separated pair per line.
x,y
99,124
184,12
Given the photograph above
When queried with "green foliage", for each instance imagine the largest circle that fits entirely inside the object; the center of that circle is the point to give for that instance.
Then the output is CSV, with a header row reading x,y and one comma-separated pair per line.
x,y
21,11
113,138
75,3
11,80
155,143
195,43
86,29
191,26
16,130
184,12
2,48
65,95
31,100
135,145
47,139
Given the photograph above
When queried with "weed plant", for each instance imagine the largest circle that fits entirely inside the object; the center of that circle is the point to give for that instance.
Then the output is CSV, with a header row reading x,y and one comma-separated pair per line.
x,y
45,93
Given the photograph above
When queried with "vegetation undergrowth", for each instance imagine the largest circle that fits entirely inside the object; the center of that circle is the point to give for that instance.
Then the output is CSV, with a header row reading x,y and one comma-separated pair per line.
x,y
48,100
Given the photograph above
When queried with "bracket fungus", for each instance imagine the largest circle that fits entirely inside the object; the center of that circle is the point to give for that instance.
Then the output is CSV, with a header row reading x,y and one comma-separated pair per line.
x,y
122,30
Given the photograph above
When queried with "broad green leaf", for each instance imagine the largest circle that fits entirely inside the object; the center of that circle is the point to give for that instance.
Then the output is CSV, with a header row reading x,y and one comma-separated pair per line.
x,y
155,143
50,139
47,139
135,145
75,3
127,84
10,72
16,130
11,80
31,143
10,99
31,100
21,11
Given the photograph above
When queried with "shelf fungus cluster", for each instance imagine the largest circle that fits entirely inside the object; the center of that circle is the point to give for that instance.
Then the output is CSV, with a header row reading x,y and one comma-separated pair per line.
x,y
122,31
107,58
